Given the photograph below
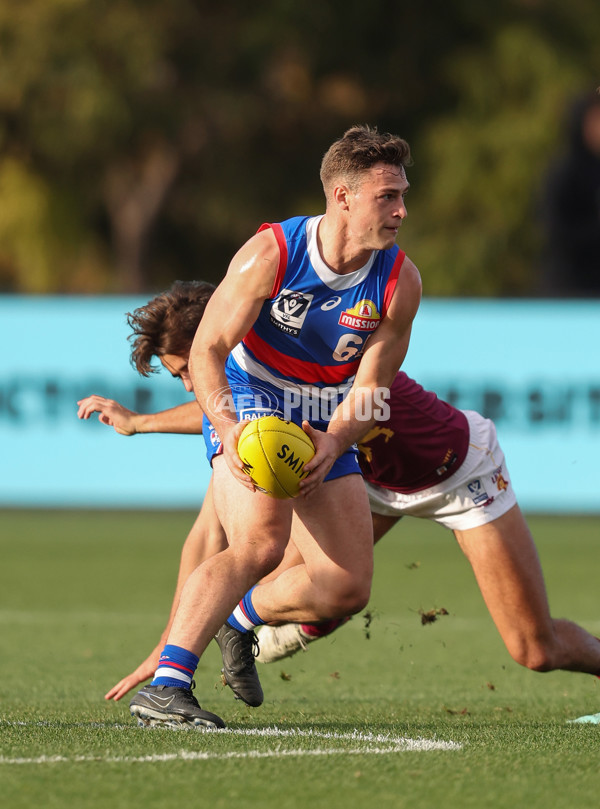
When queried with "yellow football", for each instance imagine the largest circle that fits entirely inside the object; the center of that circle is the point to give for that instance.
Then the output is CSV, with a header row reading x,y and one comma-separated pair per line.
x,y
274,452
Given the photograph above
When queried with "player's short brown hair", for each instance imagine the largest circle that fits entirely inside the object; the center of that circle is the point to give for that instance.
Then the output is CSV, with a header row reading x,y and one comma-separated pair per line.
x,y
167,324
360,148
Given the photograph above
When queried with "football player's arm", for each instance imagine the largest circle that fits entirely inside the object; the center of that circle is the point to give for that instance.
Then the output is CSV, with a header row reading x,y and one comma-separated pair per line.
x,y
387,347
205,539
383,356
185,418
229,316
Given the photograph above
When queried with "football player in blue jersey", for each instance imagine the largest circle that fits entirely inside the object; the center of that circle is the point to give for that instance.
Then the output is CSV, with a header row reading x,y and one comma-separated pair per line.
x,y
311,307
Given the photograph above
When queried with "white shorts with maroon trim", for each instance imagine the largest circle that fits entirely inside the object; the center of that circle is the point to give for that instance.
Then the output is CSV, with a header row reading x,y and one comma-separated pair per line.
x,y
478,492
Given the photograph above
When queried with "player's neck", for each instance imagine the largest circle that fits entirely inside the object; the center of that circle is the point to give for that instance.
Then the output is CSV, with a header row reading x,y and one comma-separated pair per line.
x,y
337,249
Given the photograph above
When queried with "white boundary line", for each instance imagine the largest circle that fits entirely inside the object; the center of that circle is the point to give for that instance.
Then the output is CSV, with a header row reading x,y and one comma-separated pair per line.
x,y
368,744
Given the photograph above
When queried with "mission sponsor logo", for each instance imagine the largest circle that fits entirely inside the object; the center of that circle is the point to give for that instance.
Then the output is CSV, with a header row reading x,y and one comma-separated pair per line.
x,y
362,317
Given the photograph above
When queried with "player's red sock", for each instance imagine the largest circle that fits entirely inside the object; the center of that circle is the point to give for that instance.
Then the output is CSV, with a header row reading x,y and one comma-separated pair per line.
x,y
323,627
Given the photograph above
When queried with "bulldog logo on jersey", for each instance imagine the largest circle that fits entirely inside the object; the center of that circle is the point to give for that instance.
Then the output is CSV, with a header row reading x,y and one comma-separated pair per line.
x,y
289,311
362,317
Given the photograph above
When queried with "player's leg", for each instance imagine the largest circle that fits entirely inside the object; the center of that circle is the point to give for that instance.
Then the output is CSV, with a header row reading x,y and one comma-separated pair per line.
x,y
382,523
334,535
508,571
257,528
292,556
286,638
205,539
334,538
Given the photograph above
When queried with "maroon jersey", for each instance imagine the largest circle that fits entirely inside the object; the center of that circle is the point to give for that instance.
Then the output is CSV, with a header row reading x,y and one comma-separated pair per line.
x,y
423,442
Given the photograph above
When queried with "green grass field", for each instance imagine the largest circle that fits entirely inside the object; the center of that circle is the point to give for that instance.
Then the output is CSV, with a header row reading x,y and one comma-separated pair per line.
x,y
387,712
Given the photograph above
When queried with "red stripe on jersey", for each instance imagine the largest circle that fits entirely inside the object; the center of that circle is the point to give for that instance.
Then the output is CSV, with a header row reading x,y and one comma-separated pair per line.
x,y
392,281
300,369
283,255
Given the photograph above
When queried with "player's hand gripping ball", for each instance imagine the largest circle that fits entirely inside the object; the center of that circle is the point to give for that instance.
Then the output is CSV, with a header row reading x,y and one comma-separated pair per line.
x,y
274,452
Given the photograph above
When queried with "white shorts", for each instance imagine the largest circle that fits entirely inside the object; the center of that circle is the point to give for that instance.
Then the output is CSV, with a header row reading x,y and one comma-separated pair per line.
x,y
477,493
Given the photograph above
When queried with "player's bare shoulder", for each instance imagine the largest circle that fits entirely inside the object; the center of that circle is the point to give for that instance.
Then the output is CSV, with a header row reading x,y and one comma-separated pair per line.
x,y
407,294
255,263
410,277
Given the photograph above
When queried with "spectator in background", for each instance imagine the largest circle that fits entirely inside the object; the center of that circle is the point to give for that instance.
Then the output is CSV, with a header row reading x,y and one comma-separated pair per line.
x,y
571,208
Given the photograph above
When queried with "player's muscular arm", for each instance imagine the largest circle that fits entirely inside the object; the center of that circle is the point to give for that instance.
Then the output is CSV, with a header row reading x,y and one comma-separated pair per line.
x,y
381,360
387,347
229,316
185,418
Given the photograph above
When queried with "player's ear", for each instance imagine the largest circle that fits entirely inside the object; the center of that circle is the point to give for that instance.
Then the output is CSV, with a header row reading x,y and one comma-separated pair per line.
x,y
340,196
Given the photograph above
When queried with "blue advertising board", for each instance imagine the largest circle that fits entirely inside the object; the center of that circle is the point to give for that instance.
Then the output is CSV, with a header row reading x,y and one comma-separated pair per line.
x,y
532,366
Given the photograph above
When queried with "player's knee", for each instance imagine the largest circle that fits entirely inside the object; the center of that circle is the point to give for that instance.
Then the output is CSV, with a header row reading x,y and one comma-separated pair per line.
x,y
260,558
535,655
541,659
357,602
265,557
347,597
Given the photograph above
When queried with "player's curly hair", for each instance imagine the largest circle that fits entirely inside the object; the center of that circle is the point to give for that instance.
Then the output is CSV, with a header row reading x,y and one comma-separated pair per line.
x,y
167,324
359,148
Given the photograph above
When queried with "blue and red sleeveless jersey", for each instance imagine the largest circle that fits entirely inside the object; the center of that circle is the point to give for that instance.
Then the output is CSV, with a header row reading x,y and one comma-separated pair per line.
x,y
314,327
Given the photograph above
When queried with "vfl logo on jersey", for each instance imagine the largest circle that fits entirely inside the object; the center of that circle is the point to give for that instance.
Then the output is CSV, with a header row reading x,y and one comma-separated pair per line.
x,y
289,311
478,493
362,317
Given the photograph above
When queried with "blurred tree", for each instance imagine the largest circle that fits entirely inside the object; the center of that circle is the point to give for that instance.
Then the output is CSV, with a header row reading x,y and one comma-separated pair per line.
x,y
142,141
482,165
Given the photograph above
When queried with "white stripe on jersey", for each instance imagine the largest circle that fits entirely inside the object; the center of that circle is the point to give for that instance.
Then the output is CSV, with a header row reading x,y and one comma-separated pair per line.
x,y
311,392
